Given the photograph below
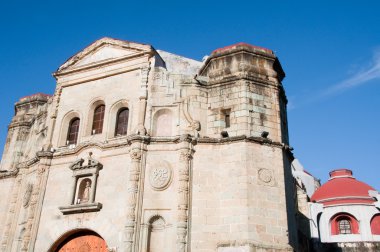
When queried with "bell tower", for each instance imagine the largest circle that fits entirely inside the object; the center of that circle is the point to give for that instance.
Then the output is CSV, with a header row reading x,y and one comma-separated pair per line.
x,y
246,96
245,158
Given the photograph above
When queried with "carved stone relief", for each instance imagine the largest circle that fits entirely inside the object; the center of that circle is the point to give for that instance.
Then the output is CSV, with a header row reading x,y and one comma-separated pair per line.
x,y
266,177
160,176
27,195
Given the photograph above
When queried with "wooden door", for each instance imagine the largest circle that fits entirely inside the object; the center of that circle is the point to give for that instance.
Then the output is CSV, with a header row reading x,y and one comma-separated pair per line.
x,y
83,243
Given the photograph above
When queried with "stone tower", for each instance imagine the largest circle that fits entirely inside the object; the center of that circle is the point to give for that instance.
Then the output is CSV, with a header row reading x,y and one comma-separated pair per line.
x,y
250,191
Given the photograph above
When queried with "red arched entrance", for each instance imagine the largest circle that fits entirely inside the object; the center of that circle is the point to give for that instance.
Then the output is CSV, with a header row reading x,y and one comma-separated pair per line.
x,y
81,241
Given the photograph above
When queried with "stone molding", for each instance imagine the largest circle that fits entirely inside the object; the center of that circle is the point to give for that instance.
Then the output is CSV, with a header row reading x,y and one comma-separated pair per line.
x,y
81,208
8,174
226,246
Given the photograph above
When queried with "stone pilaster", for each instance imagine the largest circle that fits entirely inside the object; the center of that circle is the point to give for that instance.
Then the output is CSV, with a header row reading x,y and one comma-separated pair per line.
x,y
134,179
185,156
143,100
11,216
36,200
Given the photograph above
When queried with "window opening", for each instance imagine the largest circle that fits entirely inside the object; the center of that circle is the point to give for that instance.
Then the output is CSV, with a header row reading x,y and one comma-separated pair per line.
x,y
97,124
72,135
344,226
122,122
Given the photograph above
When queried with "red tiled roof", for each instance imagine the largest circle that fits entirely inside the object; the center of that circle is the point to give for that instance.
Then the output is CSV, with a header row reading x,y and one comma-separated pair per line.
x,y
343,188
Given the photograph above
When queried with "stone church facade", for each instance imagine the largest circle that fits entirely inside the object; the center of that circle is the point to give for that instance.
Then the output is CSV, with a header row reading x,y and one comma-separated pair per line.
x,y
143,150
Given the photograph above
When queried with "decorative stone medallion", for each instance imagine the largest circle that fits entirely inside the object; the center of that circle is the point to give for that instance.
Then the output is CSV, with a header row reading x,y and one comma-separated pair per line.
x,y
266,177
160,176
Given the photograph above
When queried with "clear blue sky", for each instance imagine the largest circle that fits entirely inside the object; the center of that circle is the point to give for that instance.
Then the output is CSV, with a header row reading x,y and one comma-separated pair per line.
x,y
330,51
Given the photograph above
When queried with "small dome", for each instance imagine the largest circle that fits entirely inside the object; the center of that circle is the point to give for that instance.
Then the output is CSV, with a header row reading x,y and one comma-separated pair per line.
x,y
343,188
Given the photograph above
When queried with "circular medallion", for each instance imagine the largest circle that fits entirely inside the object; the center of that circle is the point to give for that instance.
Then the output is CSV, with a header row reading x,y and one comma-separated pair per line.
x,y
265,175
160,176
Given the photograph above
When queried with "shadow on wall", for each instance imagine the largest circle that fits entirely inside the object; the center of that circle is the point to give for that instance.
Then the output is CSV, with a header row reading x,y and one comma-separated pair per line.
x,y
345,247
303,222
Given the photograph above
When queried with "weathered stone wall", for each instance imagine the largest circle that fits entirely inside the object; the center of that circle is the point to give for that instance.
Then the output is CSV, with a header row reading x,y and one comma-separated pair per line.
x,y
173,183
238,197
111,193
26,132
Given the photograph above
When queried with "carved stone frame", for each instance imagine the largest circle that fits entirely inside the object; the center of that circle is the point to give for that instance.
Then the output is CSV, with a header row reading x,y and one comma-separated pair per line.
x,y
80,171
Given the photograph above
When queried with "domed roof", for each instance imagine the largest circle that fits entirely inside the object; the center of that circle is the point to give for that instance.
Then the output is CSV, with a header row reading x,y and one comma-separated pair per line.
x,y
343,188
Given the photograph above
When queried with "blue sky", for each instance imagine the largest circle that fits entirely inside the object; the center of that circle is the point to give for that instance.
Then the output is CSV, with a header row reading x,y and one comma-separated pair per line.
x,y
330,51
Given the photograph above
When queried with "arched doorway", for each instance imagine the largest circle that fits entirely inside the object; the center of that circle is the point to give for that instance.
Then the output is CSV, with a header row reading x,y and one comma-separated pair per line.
x,y
80,241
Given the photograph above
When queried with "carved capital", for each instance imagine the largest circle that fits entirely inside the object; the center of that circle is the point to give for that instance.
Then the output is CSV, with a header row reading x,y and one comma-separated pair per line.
x,y
185,155
135,155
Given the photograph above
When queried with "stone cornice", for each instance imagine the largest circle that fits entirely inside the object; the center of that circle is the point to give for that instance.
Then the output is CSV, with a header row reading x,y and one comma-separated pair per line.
x,y
234,51
111,144
97,65
20,124
66,151
8,174
231,80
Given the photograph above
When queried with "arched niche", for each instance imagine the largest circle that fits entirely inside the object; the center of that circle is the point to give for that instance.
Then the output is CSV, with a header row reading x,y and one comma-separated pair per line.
x,y
163,123
156,234
84,191
83,240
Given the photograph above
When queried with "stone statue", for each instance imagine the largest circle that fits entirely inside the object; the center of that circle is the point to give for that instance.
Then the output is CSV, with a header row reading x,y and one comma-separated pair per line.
x,y
86,193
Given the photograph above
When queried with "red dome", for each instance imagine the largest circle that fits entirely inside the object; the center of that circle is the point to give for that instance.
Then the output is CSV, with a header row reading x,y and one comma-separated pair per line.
x,y
343,188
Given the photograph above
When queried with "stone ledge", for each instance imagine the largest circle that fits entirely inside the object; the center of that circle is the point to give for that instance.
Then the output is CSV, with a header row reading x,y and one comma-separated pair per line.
x,y
8,174
250,246
81,208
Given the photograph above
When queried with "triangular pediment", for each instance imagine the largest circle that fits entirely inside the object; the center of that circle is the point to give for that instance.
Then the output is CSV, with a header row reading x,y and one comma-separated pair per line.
x,y
103,51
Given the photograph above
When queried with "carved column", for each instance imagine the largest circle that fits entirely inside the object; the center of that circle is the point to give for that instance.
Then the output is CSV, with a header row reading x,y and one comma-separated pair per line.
x,y
185,156
36,200
73,189
53,116
93,186
134,178
11,215
143,100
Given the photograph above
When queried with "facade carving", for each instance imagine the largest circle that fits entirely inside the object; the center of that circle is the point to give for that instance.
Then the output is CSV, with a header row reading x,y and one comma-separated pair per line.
x,y
160,176
184,155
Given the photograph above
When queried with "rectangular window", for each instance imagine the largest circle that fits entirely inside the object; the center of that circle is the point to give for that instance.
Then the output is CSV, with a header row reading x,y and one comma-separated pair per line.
x,y
227,117
227,120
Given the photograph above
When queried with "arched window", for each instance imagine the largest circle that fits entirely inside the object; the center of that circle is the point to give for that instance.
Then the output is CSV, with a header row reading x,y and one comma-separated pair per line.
x,y
375,225
97,123
122,122
344,226
344,223
72,133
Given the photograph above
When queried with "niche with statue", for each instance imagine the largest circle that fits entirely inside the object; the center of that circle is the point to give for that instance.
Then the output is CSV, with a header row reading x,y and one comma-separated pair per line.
x,y
83,190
